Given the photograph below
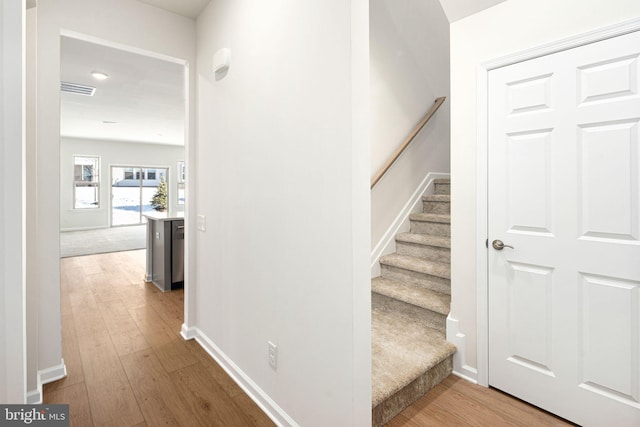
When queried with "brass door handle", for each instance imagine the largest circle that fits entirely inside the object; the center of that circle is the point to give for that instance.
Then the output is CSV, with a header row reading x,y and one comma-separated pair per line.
x,y
498,245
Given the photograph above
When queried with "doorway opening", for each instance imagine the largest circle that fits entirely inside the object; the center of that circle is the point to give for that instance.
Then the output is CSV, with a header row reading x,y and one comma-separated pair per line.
x,y
122,132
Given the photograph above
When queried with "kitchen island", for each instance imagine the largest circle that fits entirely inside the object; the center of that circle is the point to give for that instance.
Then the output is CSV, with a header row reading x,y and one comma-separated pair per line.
x,y
165,249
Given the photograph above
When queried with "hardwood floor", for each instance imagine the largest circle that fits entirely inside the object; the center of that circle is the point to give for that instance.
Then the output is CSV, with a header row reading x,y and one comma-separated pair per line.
x,y
458,403
128,366
126,363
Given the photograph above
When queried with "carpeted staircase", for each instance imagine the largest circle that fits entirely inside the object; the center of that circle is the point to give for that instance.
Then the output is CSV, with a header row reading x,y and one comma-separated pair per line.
x,y
410,304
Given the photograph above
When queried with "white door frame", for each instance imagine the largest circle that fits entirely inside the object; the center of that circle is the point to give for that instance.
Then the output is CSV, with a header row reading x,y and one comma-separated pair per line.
x,y
189,159
482,168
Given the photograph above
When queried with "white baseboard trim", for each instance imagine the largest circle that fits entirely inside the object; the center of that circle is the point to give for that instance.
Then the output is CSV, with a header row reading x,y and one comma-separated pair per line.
x,y
457,338
387,243
64,230
46,376
54,373
273,411
188,332
34,397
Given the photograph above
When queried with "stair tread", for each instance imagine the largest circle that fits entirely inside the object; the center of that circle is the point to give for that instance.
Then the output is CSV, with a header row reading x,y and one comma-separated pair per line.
x,y
402,350
412,294
436,198
419,265
425,239
442,181
426,217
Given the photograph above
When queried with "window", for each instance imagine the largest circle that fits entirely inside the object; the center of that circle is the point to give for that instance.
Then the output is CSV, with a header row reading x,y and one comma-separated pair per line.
x,y
151,174
128,173
86,182
181,175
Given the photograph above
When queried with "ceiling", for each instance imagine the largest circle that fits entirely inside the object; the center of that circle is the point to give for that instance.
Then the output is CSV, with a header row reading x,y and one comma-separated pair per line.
x,y
454,9
188,8
458,9
142,100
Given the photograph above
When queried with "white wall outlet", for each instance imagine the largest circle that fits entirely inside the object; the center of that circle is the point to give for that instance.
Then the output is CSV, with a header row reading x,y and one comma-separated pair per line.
x,y
273,356
201,223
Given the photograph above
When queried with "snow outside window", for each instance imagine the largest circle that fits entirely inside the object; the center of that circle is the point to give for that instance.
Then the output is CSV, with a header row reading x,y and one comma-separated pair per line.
x,y
86,182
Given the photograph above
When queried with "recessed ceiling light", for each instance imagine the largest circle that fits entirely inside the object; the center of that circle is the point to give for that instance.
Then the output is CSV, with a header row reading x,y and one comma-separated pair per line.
x,y
98,75
108,122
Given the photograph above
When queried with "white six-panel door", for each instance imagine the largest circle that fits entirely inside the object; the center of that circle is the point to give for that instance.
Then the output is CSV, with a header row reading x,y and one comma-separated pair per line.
x,y
564,191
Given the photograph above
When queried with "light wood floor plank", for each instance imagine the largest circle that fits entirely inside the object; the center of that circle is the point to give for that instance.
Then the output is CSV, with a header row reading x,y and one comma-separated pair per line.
x,y
155,391
71,355
76,396
457,402
254,414
219,375
124,332
208,401
113,403
168,344
172,316
515,411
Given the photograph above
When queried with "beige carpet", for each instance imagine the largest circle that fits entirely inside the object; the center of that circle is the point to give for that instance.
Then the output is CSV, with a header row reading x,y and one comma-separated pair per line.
x,y
104,240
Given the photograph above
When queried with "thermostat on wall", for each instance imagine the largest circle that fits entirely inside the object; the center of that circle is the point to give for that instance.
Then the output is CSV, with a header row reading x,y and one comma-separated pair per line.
x,y
221,60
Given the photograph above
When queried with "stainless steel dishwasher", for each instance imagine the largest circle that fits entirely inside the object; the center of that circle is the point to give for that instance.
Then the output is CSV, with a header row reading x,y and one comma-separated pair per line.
x,y
177,253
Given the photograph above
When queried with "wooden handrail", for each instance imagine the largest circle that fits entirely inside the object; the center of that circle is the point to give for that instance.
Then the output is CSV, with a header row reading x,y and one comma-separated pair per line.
x,y
407,141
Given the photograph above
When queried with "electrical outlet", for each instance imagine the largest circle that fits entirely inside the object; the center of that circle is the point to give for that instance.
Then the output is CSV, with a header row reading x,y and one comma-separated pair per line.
x,y
273,355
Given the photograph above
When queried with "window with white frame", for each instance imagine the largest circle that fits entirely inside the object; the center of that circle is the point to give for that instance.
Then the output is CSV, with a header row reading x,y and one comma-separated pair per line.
x,y
86,182
180,180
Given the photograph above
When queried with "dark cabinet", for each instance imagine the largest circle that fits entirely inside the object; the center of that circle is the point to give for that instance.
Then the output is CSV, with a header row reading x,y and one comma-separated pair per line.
x,y
165,246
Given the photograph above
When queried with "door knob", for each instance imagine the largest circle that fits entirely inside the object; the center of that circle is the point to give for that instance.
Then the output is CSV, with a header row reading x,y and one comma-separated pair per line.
x,y
498,245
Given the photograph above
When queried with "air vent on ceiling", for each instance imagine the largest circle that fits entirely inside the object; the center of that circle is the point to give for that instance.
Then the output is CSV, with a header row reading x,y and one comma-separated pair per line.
x,y
77,89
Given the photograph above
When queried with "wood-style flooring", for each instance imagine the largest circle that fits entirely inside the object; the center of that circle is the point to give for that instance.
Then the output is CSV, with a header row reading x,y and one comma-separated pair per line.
x,y
458,403
127,365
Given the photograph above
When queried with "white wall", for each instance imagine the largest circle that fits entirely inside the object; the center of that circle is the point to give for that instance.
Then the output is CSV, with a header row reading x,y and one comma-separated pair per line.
x,y
507,28
283,182
111,153
121,23
12,203
409,70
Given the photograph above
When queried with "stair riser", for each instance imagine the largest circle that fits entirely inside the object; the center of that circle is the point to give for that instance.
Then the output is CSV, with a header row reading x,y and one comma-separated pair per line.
x,y
396,403
424,316
443,189
423,251
427,281
433,228
436,207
